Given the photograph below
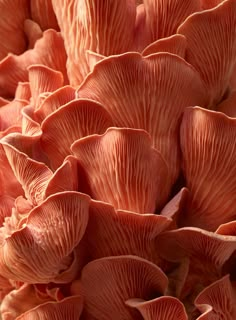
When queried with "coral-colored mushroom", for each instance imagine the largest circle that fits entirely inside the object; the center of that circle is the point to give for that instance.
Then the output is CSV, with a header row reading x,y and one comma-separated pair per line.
x,y
121,168
108,283
85,21
209,153
12,38
217,301
53,230
212,53
48,50
148,93
163,308
77,119
206,251
125,232
70,309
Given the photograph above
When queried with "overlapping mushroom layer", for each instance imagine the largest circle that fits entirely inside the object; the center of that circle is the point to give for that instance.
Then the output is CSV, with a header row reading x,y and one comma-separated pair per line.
x,y
117,162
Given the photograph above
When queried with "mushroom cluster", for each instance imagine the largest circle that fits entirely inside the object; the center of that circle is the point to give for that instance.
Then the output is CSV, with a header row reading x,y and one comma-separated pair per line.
x,y
118,159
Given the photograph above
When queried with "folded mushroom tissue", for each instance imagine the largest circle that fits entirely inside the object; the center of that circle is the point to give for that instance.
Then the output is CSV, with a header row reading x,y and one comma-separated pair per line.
x,y
117,159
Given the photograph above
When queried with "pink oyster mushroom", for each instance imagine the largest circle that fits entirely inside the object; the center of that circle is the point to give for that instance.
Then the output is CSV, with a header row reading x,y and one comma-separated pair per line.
x,y
117,159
